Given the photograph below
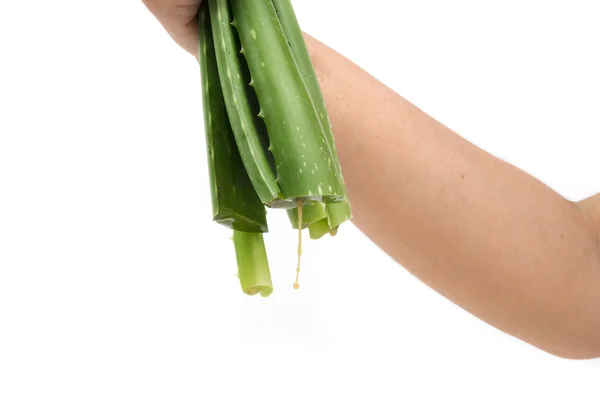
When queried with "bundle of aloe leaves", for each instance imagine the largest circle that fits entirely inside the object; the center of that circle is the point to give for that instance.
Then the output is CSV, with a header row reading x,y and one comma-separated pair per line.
x,y
269,139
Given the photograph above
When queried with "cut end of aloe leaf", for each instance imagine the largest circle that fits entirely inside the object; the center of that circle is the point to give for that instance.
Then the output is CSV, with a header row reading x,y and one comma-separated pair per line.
x,y
282,204
291,203
319,229
311,213
232,220
253,265
263,291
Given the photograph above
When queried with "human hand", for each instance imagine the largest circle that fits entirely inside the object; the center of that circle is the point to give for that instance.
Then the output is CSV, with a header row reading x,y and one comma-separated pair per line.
x,y
178,17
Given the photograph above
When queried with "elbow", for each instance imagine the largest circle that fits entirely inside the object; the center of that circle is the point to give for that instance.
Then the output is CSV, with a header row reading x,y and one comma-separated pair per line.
x,y
570,338
577,337
575,353
585,342
574,333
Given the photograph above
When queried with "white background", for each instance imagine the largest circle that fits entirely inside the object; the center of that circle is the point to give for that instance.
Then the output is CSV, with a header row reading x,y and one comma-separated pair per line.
x,y
114,282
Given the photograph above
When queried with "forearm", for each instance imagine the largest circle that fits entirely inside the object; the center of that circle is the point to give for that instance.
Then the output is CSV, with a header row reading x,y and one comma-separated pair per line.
x,y
484,234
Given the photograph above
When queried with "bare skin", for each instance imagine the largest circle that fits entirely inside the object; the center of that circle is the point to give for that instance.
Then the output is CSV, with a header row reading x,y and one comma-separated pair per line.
x,y
481,232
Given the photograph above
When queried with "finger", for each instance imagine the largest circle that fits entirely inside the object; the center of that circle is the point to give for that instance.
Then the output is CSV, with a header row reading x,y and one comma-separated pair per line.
x,y
178,17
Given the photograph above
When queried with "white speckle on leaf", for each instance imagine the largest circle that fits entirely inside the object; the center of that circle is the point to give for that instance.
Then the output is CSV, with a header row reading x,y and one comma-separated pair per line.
x,y
262,64
330,188
304,163
320,189
253,33
300,170
298,128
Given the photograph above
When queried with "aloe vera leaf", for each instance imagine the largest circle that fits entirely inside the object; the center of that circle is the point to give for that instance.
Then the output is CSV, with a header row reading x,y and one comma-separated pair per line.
x,y
235,203
313,212
339,212
253,265
319,228
243,119
305,167
291,28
